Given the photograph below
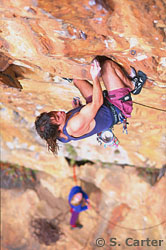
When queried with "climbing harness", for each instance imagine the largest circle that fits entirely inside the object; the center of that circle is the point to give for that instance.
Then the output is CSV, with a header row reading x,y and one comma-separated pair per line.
x,y
107,136
126,98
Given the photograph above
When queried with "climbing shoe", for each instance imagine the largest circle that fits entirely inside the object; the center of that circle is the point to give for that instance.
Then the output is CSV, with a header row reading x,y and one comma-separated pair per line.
x,y
79,226
76,226
138,81
67,79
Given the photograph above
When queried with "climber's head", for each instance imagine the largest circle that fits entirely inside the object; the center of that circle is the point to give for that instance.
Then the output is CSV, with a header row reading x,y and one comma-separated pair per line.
x,y
76,199
50,126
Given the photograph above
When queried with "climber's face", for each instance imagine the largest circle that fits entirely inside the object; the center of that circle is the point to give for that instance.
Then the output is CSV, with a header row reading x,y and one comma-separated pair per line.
x,y
78,197
58,117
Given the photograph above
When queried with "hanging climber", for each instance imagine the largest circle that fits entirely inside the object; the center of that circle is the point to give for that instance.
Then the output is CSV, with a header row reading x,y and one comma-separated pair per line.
x,y
78,201
100,113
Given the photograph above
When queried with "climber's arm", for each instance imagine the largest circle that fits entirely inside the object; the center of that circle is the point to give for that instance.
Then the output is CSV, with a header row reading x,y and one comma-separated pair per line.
x,y
83,122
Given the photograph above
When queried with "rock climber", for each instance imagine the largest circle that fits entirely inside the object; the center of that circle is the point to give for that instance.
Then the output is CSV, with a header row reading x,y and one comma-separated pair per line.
x,y
100,112
78,201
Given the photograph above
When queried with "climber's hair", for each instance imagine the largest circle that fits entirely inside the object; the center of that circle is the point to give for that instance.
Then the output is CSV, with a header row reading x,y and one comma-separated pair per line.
x,y
48,131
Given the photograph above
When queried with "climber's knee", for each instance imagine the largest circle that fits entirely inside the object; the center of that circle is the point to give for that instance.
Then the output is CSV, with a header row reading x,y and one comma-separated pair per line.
x,y
107,68
108,65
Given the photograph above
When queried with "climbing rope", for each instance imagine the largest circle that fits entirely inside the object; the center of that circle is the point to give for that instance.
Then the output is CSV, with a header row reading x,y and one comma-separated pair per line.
x,y
74,174
163,110
126,228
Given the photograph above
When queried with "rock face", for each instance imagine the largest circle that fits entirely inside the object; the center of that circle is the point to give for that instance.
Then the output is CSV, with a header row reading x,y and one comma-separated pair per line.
x,y
42,41
50,36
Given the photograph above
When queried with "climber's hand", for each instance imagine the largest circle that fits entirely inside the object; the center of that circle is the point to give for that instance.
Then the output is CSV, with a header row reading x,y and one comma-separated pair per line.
x,y
88,203
76,102
95,69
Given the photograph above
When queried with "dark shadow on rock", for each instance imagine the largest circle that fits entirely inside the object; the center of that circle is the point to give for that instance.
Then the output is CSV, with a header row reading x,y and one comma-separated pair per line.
x,y
107,5
45,231
10,74
9,77
151,175
5,61
78,163
94,193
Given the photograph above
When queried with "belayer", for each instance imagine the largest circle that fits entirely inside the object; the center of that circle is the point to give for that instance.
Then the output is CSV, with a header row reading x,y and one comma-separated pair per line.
x,y
78,201
100,113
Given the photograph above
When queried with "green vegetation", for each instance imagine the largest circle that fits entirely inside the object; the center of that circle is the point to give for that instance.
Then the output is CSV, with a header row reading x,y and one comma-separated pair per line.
x,y
71,151
15,176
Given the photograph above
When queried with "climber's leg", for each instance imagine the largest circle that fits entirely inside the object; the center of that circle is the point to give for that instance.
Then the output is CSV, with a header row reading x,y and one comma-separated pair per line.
x,y
118,87
113,76
74,218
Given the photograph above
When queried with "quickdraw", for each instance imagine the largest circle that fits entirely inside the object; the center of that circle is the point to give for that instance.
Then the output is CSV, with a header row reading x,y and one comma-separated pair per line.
x,y
123,120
